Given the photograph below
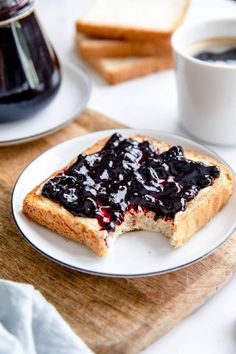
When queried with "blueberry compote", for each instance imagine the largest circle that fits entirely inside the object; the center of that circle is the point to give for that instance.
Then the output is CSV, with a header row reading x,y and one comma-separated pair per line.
x,y
129,175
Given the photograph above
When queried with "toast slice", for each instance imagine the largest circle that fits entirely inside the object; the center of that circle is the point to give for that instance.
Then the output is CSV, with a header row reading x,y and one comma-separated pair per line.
x,y
128,19
116,70
89,47
178,230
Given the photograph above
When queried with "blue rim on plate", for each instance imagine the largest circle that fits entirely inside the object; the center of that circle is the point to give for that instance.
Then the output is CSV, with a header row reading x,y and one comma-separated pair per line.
x,y
128,275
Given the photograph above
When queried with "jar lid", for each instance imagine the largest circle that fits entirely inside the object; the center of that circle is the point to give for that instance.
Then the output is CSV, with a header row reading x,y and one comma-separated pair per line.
x,y
11,8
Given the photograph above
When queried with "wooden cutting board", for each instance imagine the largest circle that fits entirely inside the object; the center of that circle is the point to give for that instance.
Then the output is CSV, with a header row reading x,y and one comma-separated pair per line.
x,y
111,315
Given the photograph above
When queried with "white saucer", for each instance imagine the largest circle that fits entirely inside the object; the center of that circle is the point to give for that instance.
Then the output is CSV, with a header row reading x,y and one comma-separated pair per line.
x,y
70,100
135,254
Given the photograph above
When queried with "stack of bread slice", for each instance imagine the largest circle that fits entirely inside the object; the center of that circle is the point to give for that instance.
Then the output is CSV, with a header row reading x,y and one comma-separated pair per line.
x,y
125,39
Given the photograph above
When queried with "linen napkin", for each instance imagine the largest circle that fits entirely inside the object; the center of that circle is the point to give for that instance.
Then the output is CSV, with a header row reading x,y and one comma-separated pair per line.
x,y
31,325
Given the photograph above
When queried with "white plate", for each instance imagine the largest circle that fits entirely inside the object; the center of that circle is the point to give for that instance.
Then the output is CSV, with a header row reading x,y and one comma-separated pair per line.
x,y
135,254
69,101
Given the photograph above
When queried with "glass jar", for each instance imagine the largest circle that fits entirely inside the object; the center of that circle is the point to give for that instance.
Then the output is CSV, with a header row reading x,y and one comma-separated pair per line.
x,y
29,68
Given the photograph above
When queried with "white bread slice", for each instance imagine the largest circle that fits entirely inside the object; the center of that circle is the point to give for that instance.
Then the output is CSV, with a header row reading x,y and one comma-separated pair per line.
x,y
89,47
116,70
87,230
140,19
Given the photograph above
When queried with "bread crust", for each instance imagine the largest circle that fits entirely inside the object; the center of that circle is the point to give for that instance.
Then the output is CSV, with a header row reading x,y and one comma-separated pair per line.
x,y
134,69
87,230
89,48
122,32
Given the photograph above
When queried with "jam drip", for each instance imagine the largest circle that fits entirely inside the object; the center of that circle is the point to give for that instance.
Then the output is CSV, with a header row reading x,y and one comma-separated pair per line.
x,y
129,175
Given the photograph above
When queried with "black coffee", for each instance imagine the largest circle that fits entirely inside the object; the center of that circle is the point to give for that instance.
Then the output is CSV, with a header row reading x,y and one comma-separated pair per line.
x,y
214,50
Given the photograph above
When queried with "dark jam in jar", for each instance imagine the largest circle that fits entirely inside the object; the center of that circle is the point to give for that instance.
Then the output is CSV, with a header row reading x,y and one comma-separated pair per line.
x,y
129,175
29,69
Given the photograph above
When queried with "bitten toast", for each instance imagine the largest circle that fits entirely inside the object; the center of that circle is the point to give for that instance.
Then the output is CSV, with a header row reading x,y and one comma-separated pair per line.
x,y
88,231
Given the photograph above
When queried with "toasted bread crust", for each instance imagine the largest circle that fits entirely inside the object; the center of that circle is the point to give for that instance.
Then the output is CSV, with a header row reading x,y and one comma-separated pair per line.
x,y
119,32
87,230
142,67
105,31
96,48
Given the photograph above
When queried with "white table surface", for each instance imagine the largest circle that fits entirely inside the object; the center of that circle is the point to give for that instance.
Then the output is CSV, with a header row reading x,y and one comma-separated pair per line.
x,y
151,102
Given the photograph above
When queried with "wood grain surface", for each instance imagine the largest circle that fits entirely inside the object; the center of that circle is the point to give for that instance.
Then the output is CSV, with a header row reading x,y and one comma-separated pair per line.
x,y
111,315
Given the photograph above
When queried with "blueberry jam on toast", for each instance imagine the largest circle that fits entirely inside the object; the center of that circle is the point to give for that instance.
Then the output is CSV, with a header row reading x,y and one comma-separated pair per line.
x,y
127,175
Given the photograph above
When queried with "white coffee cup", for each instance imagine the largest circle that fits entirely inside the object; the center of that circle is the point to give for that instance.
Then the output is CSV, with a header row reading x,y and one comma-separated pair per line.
x,y
206,91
